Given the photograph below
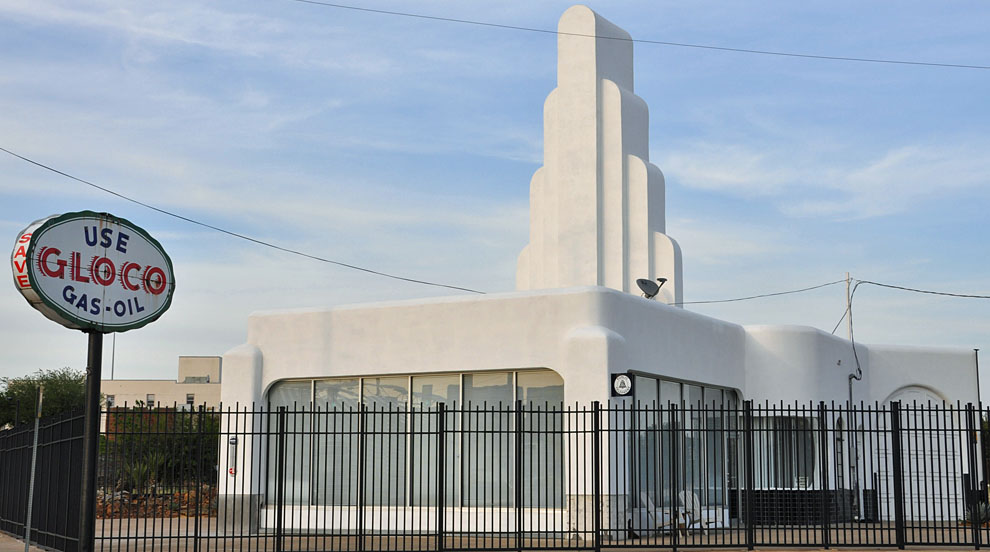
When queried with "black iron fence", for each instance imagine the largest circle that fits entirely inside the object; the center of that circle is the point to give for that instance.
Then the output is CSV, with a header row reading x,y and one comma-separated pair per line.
x,y
55,503
522,476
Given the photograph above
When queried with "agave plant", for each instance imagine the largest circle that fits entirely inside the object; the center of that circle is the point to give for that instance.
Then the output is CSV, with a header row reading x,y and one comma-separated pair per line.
x,y
156,461
138,475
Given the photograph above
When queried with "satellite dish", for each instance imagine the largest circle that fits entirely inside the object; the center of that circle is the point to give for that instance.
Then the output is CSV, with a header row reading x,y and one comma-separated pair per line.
x,y
649,288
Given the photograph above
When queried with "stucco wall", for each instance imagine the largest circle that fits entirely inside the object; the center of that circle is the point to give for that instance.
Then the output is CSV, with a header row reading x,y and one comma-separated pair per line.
x,y
950,373
581,333
169,392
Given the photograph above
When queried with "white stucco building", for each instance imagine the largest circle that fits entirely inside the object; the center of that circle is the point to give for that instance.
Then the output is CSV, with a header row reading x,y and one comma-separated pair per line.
x,y
596,225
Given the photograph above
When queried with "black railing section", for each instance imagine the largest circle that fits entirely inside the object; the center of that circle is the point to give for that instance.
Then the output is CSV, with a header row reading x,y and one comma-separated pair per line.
x,y
55,505
521,476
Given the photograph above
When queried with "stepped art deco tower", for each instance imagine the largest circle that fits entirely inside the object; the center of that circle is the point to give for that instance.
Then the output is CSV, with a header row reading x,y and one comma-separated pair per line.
x,y
597,203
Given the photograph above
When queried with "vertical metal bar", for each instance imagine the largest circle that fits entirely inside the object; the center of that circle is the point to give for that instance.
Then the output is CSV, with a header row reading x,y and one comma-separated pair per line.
x,y
87,513
895,446
596,474
675,516
199,475
280,479
362,475
441,474
750,476
519,469
973,475
826,502
34,464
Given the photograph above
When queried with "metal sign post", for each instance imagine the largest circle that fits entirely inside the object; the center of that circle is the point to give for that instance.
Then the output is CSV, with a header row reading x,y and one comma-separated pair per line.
x,y
34,467
127,284
87,510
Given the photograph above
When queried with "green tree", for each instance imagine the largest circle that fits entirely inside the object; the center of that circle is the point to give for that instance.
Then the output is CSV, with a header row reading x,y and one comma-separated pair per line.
x,y
65,390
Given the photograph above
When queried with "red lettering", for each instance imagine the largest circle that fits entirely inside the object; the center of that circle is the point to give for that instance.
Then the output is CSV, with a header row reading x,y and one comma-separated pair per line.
x,y
125,276
75,270
19,267
25,238
153,280
21,252
44,265
103,271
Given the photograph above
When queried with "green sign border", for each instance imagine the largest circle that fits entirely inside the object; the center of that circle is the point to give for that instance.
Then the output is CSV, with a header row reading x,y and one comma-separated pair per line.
x,y
80,323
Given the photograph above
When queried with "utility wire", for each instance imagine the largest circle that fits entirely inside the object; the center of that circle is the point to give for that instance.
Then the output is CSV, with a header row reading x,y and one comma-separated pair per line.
x,y
235,234
852,336
844,314
848,311
642,41
849,308
761,295
426,282
929,292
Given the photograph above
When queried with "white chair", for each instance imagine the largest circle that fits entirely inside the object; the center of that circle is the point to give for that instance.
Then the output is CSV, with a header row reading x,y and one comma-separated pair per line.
x,y
692,512
652,517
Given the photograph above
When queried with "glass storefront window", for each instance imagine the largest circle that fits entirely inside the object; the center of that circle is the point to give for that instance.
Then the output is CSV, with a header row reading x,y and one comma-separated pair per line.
x,y
701,442
325,424
542,396
427,393
387,401
296,397
342,394
540,389
488,390
489,449
336,441
670,393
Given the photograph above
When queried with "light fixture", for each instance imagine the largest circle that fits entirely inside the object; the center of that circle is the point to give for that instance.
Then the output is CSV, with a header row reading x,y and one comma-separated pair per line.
x,y
649,289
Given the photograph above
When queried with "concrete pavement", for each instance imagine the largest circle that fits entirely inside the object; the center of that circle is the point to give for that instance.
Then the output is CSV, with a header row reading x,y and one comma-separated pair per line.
x,y
10,544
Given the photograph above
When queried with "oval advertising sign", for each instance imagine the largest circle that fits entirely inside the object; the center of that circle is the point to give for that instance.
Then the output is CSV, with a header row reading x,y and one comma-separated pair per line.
x,y
93,272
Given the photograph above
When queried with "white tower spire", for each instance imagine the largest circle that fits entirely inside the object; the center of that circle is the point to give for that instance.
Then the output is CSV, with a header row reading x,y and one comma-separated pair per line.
x,y
597,203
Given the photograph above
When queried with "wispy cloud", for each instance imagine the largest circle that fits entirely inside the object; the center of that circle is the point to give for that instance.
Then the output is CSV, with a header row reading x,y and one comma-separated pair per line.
x,y
805,183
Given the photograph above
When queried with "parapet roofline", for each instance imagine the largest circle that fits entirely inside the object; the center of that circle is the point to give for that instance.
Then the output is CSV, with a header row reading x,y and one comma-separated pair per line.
x,y
612,295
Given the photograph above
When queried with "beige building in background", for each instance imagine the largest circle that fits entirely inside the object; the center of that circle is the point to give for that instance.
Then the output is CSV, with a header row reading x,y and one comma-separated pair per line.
x,y
198,383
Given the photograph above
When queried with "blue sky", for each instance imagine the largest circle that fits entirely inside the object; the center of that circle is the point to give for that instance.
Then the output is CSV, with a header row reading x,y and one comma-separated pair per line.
x,y
407,146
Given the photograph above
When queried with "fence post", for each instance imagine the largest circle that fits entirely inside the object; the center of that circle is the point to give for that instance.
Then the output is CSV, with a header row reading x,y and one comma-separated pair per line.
x,y
895,446
750,474
823,460
518,468
199,475
441,473
280,479
974,475
362,473
34,465
674,454
596,468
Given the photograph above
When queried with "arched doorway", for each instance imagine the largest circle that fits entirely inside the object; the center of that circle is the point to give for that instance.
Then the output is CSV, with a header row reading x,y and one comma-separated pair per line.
x,y
933,457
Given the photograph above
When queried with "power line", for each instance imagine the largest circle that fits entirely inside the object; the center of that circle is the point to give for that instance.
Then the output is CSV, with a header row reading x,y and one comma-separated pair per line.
x,y
848,311
640,40
235,234
926,291
852,338
426,282
761,295
844,314
849,308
